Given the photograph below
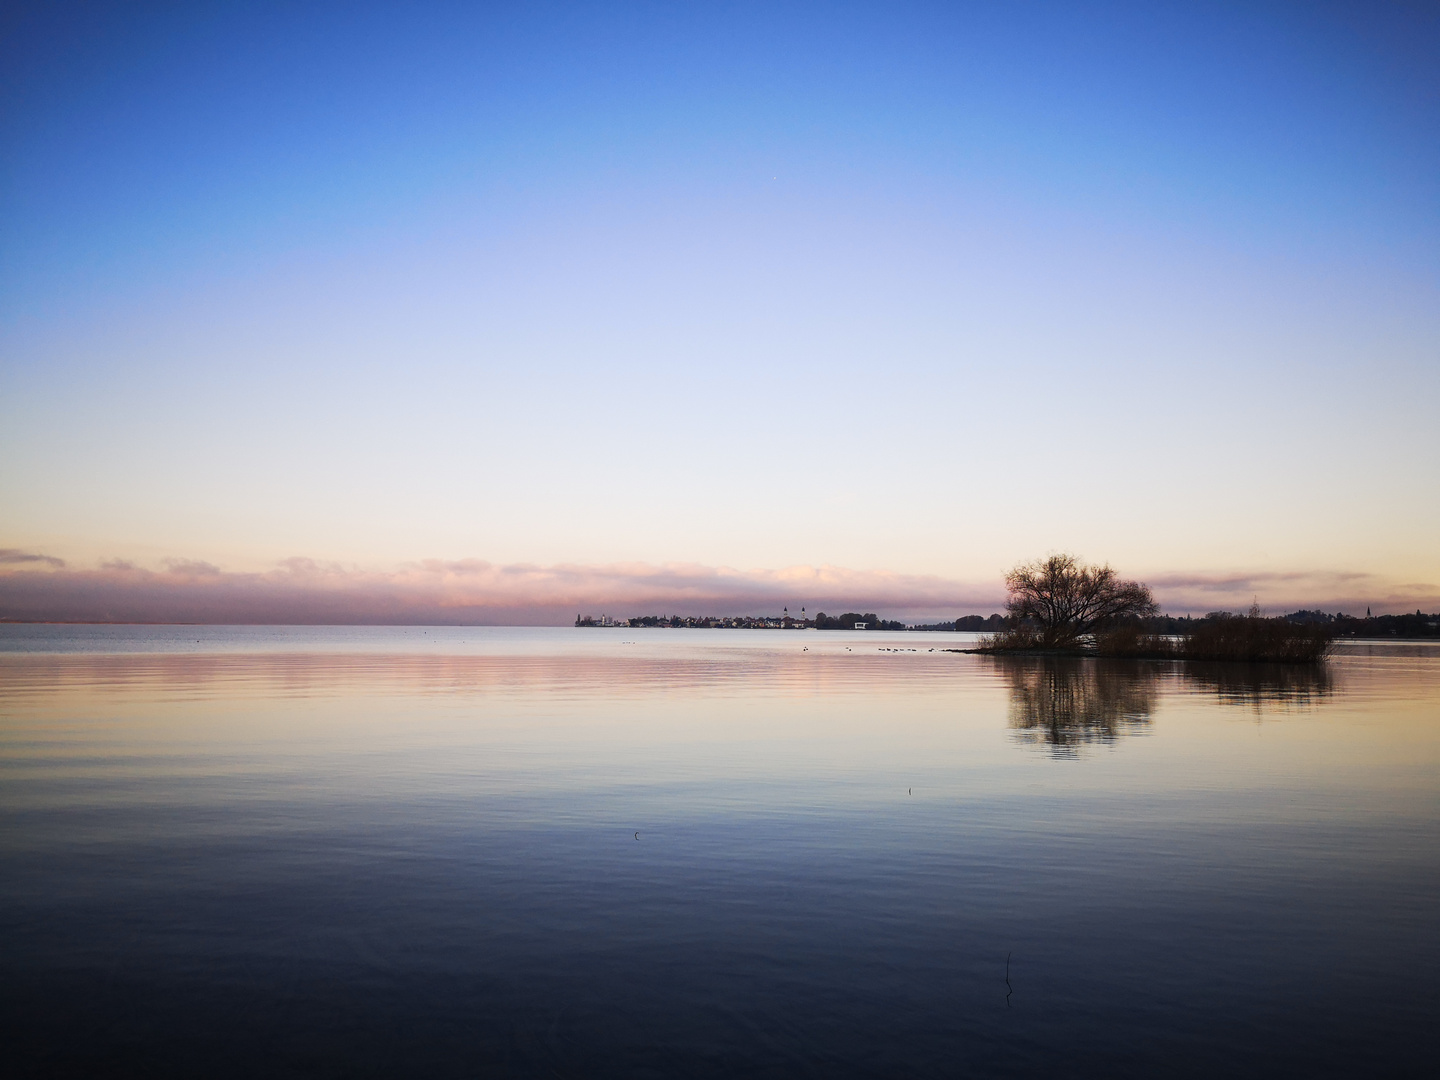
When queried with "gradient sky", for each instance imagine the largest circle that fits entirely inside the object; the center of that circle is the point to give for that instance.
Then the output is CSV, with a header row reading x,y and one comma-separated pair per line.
x,y
909,292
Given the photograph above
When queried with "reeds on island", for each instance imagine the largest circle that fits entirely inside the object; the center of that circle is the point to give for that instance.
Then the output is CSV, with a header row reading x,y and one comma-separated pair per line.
x,y
1227,637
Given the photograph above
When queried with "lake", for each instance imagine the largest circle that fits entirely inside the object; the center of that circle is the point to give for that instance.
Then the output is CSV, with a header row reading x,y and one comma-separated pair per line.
x,y
611,852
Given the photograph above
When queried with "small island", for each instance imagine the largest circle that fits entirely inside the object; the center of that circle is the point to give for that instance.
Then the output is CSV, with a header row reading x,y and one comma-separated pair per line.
x,y
1061,606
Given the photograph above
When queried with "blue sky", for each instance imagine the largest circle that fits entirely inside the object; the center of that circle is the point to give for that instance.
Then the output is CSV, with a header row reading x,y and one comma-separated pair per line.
x,y
903,290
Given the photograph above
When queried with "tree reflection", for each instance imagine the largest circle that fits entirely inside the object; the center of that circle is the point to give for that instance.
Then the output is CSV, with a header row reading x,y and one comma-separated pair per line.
x,y
1066,703
1262,686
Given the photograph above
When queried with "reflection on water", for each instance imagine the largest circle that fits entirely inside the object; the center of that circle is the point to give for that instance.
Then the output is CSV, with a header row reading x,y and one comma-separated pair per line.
x,y
1264,687
458,852
1064,703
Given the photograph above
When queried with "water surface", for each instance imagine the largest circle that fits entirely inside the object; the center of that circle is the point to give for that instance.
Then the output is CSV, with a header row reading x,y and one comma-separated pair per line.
x,y
460,851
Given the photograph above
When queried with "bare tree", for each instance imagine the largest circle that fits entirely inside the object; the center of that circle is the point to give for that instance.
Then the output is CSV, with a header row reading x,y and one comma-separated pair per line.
x,y
1068,599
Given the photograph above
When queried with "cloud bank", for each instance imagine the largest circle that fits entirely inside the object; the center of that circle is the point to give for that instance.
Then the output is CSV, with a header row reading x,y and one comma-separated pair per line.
x,y
468,591
14,556
1276,593
36,587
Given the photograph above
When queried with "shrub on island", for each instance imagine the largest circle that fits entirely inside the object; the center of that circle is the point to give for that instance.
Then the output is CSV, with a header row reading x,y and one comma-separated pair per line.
x,y
1061,605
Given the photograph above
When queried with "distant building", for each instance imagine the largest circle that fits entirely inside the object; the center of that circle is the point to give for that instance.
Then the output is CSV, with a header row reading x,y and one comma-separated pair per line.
x,y
862,626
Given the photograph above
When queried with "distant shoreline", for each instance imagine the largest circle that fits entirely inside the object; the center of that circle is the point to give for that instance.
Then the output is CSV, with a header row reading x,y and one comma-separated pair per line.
x,y
1411,628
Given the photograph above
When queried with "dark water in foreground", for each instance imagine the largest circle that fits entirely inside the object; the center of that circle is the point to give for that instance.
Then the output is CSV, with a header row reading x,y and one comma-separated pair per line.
x,y
356,852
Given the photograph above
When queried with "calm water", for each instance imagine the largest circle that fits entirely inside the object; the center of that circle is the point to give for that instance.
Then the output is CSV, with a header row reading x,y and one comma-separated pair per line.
x,y
265,851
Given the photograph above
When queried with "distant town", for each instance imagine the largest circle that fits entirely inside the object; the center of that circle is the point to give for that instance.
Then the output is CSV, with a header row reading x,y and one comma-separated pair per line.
x,y
851,620
1418,625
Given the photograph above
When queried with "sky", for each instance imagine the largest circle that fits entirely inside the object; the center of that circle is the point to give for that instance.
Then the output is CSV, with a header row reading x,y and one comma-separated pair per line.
x,y
501,312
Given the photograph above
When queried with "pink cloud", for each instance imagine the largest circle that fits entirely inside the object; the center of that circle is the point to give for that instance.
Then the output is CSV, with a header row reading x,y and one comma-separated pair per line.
x,y
473,591
301,590
1277,592
15,555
